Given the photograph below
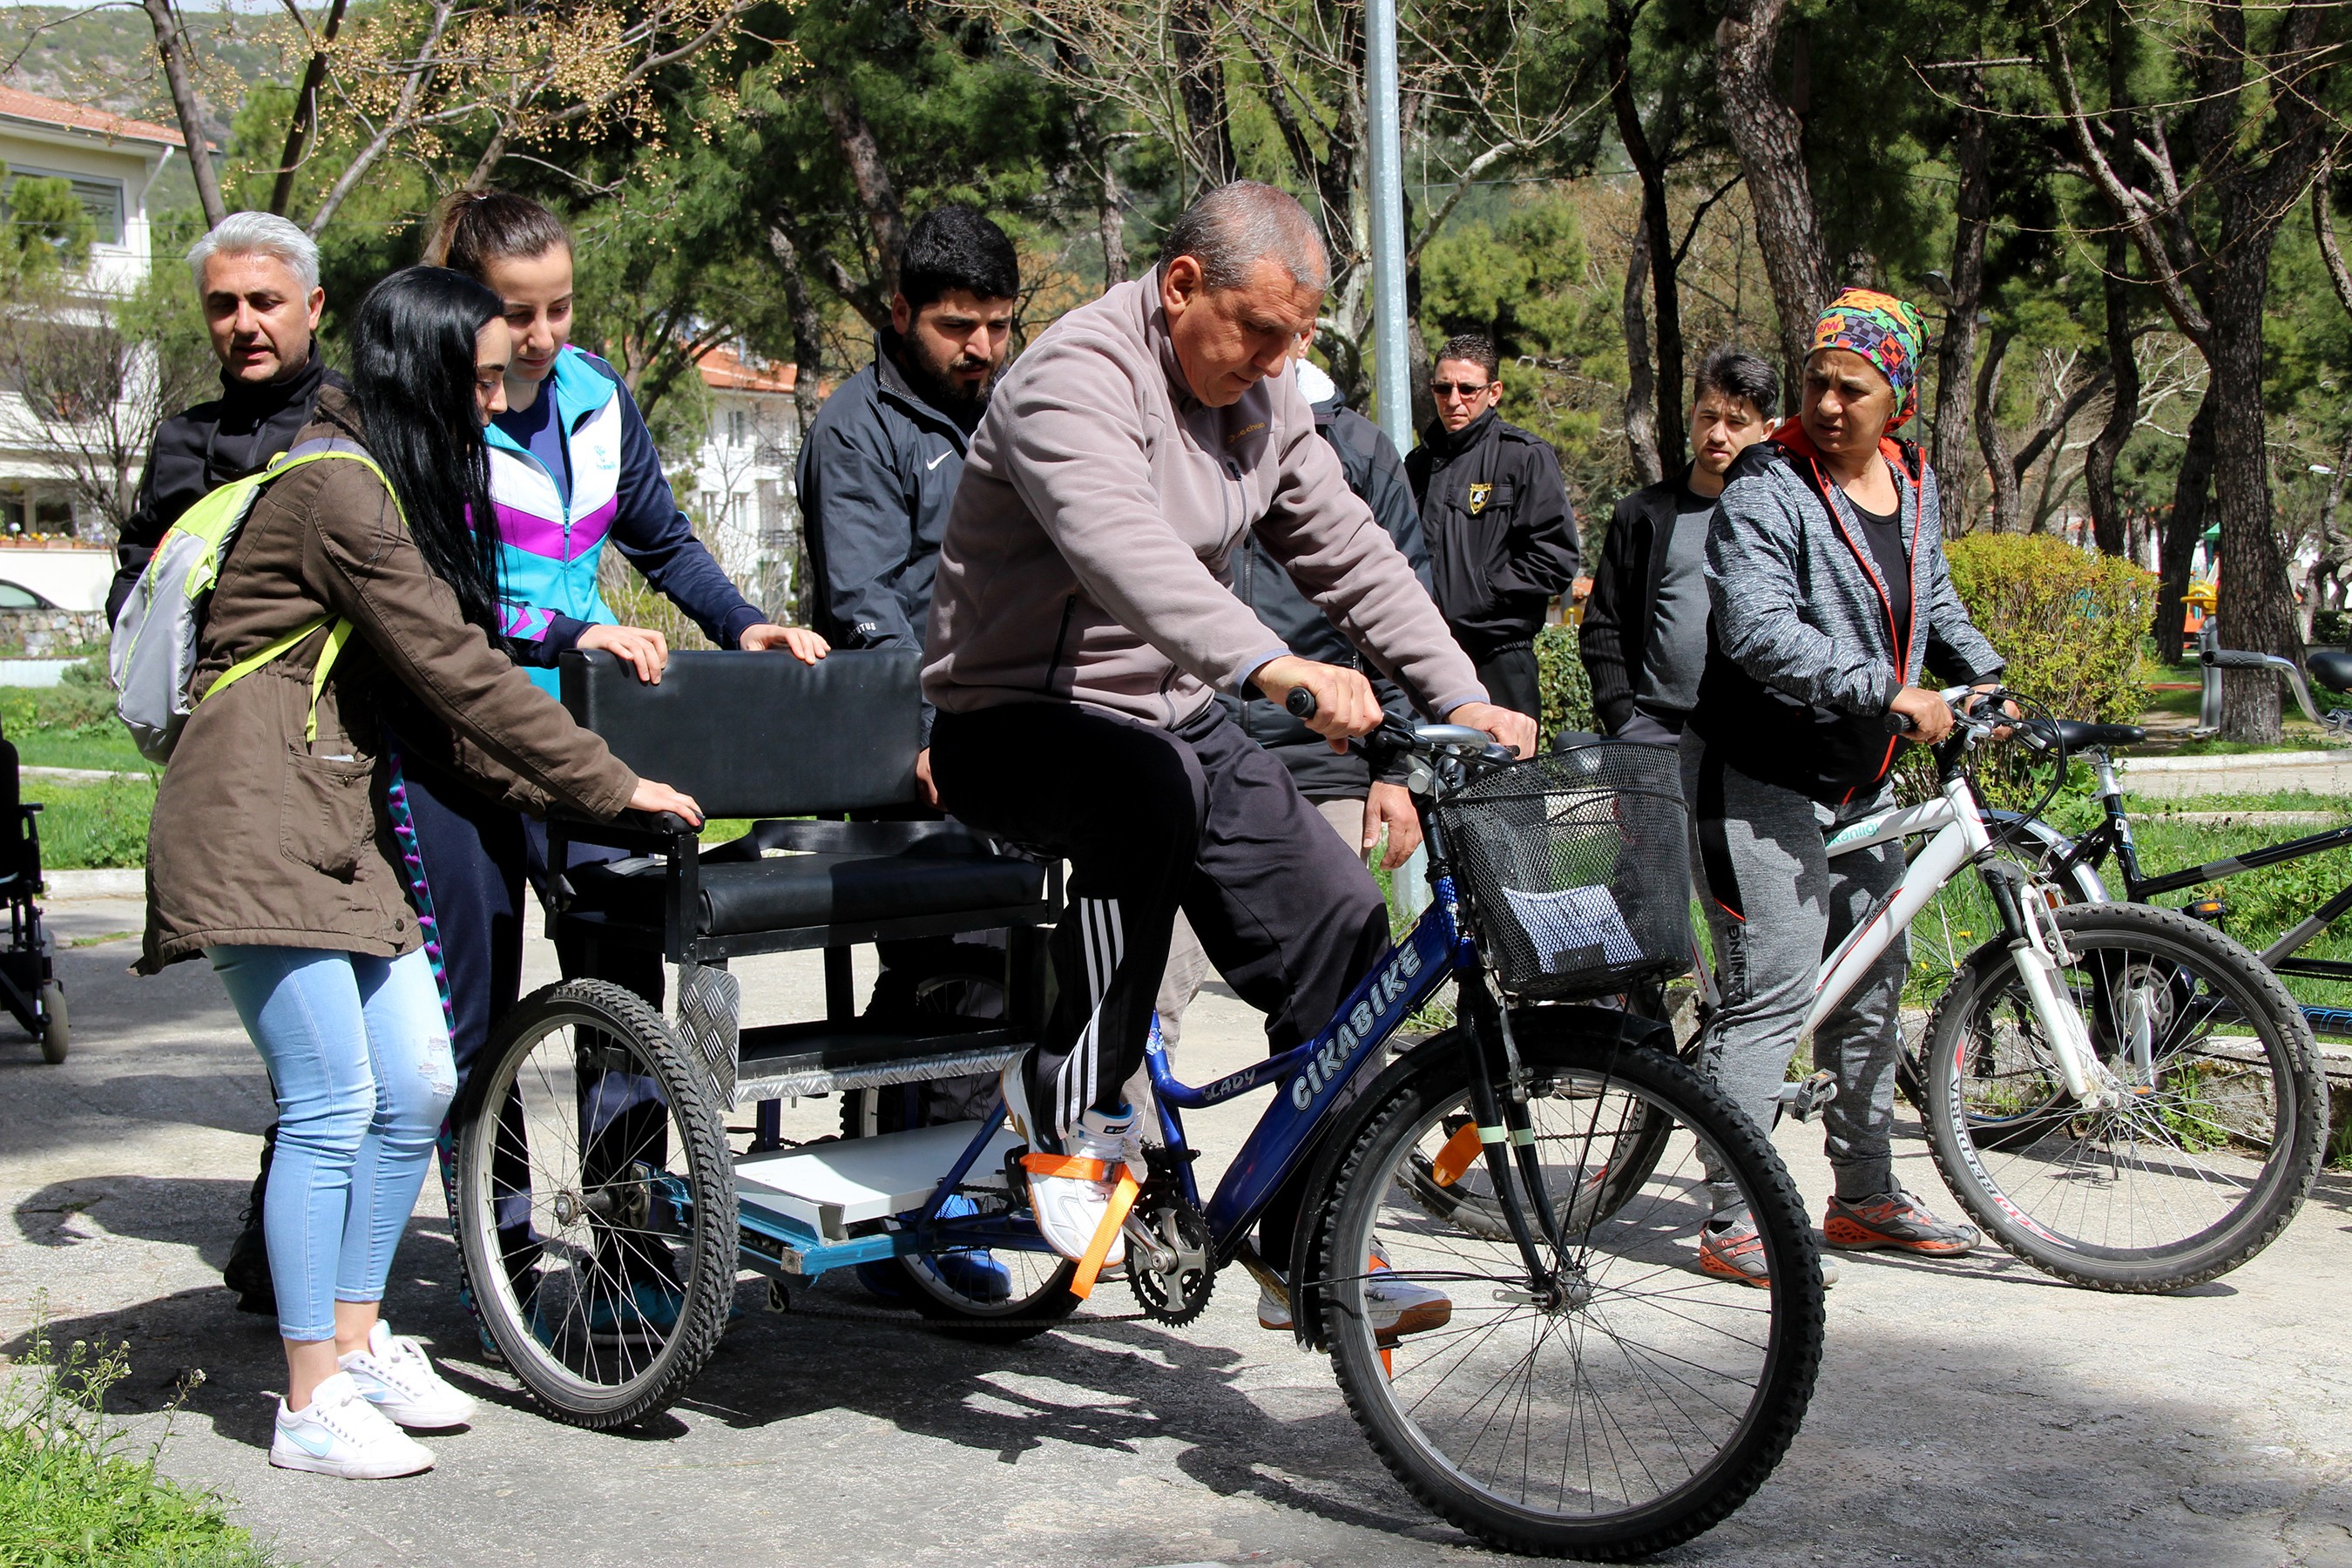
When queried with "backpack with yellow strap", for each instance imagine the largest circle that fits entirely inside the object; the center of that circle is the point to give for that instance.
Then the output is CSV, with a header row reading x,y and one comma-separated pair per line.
x,y
154,655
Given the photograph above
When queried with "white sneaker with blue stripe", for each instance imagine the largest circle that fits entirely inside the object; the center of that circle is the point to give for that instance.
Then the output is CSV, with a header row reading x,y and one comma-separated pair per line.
x,y
341,1434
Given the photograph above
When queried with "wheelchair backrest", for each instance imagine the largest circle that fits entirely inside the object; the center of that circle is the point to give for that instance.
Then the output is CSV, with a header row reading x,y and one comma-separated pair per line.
x,y
762,734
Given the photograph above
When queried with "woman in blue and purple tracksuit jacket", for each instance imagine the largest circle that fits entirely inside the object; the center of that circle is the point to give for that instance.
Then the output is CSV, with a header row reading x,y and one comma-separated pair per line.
x,y
571,468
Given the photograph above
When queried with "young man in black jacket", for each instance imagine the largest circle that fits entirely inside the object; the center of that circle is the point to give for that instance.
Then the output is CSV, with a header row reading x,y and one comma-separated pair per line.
x,y
257,276
1644,635
885,454
1502,536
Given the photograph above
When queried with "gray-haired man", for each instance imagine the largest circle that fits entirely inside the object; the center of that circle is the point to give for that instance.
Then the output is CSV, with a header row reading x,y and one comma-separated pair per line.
x,y
1081,625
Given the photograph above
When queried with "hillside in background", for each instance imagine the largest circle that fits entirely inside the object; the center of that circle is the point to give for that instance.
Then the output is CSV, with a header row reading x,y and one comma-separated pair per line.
x,y
106,59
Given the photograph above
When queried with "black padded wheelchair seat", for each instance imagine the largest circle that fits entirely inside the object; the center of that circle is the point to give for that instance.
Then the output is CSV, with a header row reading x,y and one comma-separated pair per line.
x,y
2079,736
794,875
764,736
2330,669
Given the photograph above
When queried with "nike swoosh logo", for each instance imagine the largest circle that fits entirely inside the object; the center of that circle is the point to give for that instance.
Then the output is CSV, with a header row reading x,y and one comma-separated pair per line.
x,y
312,1443
935,462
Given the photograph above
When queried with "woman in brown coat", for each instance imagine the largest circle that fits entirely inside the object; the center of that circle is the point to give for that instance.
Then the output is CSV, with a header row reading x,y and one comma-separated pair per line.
x,y
271,851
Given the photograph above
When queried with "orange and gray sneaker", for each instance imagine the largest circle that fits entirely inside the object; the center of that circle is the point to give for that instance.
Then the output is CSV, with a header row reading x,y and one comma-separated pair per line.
x,y
1895,1219
1730,1249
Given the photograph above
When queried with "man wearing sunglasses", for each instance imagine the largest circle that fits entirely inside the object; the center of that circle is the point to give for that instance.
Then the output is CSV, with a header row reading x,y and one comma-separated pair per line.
x,y
1502,537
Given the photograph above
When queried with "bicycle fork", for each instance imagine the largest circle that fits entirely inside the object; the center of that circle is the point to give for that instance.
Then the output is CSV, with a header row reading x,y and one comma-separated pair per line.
x,y
1508,1143
2036,945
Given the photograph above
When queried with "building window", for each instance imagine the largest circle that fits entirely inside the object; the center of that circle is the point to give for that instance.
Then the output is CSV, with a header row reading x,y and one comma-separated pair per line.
x,y
737,427
102,199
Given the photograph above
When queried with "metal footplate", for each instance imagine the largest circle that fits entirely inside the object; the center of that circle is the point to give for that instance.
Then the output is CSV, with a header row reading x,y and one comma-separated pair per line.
x,y
812,1077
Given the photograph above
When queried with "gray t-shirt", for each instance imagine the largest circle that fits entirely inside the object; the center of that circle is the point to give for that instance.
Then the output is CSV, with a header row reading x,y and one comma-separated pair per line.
x,y
1677,650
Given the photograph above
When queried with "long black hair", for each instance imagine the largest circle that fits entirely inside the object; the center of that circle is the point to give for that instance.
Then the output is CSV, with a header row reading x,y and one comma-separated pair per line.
x,y
413,376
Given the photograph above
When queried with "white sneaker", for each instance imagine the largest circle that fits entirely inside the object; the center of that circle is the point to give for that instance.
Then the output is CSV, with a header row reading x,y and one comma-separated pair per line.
x,y
1273,1309
1396,1306
393,1376
1070,1209
341,1434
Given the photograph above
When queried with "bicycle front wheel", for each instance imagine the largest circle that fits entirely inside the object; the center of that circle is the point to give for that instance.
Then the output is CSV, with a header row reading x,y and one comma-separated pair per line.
x,y
2222,1114
1641,1400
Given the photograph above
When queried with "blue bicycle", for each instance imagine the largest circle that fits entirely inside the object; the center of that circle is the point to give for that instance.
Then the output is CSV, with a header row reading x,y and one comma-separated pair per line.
x,y
1540,1166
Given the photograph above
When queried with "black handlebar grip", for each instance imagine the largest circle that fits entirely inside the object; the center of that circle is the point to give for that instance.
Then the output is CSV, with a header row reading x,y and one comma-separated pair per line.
x,y
1897,723
1301,703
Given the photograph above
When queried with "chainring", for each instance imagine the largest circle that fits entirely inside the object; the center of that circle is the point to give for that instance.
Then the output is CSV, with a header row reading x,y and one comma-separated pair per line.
x,y
1182,1293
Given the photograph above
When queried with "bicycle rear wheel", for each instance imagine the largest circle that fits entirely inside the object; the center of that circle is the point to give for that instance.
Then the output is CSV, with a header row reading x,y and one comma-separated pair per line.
x,y
2223,1117
1647,1401
595,1203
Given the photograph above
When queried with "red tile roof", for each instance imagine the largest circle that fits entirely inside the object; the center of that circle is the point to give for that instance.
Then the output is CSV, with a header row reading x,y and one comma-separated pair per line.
x,y
15,105
724,371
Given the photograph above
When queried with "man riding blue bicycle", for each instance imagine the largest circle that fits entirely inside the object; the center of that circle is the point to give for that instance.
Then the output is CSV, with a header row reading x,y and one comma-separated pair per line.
x,y
1081,625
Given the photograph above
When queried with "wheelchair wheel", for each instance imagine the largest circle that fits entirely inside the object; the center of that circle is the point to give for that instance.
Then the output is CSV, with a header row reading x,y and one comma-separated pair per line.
x,y
596,1204
1640,1401
56,1037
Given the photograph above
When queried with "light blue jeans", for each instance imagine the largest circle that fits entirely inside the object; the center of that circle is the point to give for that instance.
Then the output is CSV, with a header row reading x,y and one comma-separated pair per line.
x,y
358,1051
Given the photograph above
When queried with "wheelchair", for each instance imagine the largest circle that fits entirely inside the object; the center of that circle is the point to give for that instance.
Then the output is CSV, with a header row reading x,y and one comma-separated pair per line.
x,y
597,1183
29,987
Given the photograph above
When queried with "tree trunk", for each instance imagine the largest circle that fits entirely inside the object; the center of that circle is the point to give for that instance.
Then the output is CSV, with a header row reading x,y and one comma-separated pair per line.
x,y
1656,245
2257,606
877,197
1200,81
808,366
1770,139
1110,222
1972,217
305,119
172,52
1642,401
2123,412
2001,465
2183,527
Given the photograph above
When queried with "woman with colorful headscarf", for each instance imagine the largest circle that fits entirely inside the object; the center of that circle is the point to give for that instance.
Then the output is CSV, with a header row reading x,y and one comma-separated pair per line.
x,y
1825,569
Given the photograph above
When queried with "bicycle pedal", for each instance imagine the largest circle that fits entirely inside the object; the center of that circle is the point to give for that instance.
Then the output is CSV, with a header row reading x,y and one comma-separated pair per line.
x,y
1802,1099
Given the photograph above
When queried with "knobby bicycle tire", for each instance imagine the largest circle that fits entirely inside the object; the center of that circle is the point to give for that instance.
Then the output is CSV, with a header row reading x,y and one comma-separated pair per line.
x,y
515,1326
2188,968
1577,1071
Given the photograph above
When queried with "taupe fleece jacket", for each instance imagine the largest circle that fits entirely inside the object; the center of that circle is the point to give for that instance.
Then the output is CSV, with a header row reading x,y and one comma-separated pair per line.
x,y
1086,557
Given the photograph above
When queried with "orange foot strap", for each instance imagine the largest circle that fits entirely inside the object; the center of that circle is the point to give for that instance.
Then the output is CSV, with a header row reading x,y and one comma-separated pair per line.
x,y
1460,1151
1122,1198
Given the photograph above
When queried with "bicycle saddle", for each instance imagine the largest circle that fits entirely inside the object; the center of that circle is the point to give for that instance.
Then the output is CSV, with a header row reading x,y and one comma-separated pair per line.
x,y
2331,669
2081,737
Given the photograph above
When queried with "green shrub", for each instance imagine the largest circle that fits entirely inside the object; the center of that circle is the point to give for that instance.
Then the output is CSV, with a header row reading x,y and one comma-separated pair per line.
x,y
1566,694
2070,622
2332,628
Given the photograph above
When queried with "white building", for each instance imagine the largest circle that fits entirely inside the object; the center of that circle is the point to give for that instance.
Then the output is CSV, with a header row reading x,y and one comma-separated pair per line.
x,y
112,163
742,494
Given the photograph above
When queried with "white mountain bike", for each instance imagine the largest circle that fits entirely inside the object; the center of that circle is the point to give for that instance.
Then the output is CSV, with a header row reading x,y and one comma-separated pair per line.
x,y
2119,1095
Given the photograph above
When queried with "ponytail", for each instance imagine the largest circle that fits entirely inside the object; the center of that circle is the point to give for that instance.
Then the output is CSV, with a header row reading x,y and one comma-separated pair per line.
x,y
472,230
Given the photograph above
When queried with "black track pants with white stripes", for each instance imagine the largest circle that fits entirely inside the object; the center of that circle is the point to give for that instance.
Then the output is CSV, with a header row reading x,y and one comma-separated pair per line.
x,y
1199,818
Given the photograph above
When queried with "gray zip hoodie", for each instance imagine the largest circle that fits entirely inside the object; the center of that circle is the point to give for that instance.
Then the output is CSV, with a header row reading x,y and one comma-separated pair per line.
x,y
1087,554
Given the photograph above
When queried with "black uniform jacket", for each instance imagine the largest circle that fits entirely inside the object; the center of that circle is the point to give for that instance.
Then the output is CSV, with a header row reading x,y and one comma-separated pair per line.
x,y
1502,536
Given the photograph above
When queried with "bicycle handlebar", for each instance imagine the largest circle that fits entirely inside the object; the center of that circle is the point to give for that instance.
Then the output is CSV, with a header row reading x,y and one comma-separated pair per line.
x,y
1395,733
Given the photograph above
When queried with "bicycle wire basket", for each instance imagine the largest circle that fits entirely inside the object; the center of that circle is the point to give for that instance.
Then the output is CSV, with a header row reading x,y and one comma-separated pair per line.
x,y
1575,867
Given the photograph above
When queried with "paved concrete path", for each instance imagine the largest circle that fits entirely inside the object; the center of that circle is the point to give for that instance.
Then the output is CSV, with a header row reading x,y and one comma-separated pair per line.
x,y
1969,1412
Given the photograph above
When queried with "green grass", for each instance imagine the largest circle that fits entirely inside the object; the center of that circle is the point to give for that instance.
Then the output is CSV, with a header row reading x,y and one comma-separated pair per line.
x,y
77,1492
109,749
92,825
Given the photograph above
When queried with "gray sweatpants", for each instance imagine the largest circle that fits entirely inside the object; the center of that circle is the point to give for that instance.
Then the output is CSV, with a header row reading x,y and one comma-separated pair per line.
x,y
1776,905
